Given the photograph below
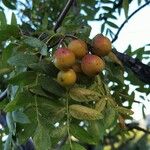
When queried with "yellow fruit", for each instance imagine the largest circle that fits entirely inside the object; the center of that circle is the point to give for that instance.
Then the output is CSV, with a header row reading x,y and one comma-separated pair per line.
x,y
66,78
91,64
78,47
102,45
64,59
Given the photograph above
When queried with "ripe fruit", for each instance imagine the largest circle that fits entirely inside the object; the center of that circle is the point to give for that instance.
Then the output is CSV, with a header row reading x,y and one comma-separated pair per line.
x,y
66,78
63,58
78,47
92,64
102,45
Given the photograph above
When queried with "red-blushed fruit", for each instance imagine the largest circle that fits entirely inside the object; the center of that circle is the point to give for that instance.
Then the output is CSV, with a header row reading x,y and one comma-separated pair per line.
x,y
92,64
78,47
102,45
64,59
66,78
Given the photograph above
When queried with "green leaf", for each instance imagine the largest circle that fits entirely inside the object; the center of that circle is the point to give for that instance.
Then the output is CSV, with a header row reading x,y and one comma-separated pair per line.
x,y
143,111
37,90
94,129
23,78
103,28
9,31
109,117
50,85
59,132
10,122
81,134
20,117
13,19
3,20
3,104
22,60
125,5
7,53
51,113
7,145
45,67
41,138
75,146
25,131
139,2
112,24
106,8
9,4
36,43
139,53
21,99
45,21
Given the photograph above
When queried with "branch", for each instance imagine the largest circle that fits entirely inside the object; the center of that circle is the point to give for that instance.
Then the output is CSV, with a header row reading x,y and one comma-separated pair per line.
x,y
120,28
141,70
134,126
3,95
63,14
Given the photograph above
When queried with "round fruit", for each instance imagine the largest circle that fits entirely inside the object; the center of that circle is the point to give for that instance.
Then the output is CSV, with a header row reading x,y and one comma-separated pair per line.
x,y
78,47
64,59
102,45
92,64
66,78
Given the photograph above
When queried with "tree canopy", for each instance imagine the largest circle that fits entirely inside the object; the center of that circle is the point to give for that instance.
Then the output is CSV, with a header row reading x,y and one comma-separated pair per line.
x,y
37,111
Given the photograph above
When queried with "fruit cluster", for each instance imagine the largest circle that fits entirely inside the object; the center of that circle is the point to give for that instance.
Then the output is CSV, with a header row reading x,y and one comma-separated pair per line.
x,y
77,58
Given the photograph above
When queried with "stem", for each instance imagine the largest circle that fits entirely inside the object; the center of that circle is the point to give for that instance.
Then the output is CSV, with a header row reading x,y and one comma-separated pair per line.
x,y
68,121
71,36
35,97
63,14
36,105
49,39
116,36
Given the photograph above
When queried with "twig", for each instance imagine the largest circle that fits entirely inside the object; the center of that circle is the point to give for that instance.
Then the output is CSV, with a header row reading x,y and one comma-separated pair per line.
x,y
63,14
120,28
3,95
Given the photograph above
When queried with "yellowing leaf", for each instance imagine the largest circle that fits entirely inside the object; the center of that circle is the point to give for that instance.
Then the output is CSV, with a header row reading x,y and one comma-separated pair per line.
x,y
84,113
115,59
122,122
124,110
100,105
83,95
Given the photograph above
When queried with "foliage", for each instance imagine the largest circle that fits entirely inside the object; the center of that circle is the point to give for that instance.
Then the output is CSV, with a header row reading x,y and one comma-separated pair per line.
x,y
37,106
